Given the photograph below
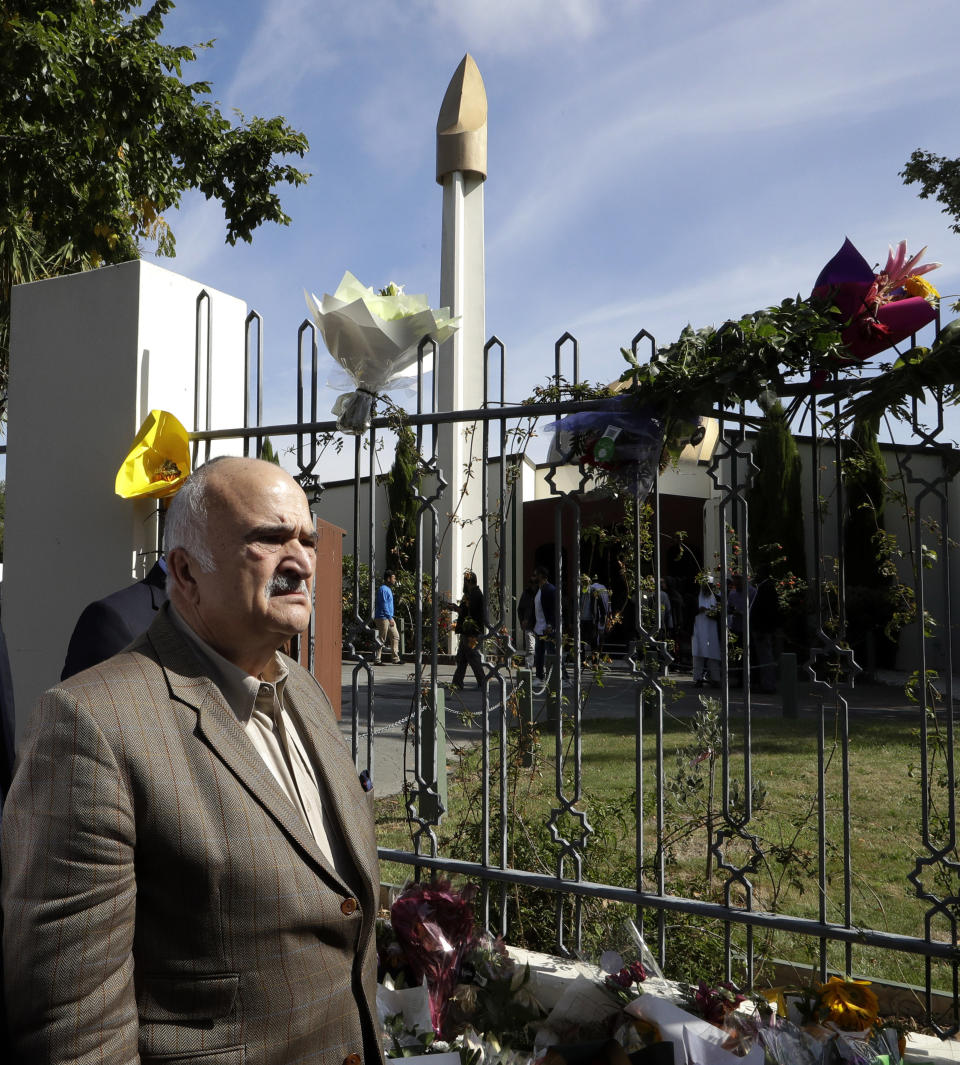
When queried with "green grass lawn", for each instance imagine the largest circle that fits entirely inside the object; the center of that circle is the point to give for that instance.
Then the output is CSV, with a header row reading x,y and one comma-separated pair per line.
x,y
884,835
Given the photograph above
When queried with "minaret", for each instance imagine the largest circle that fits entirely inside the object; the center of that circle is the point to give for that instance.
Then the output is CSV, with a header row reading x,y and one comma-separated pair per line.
x,y
462,170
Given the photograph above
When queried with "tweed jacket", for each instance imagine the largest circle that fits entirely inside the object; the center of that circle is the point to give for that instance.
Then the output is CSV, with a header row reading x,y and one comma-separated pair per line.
x,y
163,899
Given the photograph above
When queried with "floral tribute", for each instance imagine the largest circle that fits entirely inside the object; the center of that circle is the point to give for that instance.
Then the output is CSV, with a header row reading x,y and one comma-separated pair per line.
x,y
431,946
715,1004
627,977
434,927
848,1004
617,442
840,1004
879,309
158,461
448,988
374,336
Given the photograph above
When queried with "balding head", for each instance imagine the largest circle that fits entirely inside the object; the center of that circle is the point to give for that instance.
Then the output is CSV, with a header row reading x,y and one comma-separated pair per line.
x,y
185,523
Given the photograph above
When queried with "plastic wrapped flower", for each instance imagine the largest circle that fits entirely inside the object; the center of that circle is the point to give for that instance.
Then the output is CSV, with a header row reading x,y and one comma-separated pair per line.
x,y
159,460
619,440
848,1004
882,308
434,923
374,336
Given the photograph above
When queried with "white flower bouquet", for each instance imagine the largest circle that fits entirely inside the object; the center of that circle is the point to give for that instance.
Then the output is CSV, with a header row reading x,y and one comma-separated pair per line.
x,y
374,337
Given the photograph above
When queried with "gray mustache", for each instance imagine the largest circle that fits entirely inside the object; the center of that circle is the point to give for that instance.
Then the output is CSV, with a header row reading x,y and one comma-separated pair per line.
x,y
282,583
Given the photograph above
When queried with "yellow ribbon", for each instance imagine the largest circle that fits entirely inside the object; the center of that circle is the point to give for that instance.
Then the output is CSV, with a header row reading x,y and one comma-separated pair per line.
x,y
159,460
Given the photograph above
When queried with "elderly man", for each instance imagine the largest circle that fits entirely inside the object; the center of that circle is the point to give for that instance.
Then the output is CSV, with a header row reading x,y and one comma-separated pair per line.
x,y
190,869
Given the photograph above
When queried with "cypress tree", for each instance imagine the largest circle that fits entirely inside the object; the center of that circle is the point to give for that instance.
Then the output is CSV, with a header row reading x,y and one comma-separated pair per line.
x,y
774,499
268,453
403,486
869,587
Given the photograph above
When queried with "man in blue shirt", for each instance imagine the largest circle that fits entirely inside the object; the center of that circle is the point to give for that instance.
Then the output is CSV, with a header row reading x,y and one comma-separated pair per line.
x,y
383,619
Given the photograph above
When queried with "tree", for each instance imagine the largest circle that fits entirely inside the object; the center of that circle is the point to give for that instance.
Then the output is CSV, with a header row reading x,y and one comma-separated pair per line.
x,y
99,135
775,500
869,577
937,176
776,546
268,453
403,486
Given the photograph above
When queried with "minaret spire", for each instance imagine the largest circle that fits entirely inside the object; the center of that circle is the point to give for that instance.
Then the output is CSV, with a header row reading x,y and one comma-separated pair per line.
x,y
462,124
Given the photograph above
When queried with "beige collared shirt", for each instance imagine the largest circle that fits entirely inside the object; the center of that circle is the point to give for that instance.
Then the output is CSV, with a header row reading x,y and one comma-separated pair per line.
x,y
259,707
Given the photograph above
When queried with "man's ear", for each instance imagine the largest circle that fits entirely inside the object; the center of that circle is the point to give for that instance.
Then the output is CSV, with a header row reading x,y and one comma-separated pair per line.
x,y
180,568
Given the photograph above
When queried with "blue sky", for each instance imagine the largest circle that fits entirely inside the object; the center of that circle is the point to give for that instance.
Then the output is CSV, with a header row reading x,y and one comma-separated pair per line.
x,y
650,164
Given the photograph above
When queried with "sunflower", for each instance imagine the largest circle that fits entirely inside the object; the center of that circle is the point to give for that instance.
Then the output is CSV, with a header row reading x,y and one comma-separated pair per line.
x,y
849,1004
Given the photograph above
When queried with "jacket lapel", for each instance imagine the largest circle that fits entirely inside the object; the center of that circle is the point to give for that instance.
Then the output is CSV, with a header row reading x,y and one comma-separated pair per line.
x,y
218,725
308,704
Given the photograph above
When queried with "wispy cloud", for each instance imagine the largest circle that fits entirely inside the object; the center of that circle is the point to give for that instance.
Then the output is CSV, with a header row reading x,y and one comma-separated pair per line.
x,y
394,121
199,227
813,67
291,43
509,27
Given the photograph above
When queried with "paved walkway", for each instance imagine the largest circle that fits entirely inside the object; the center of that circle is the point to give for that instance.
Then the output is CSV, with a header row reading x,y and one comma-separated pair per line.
x,y
613,696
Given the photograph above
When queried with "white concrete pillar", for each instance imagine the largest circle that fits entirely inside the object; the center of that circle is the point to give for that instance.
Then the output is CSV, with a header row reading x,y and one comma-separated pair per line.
x,y
90,355
460,375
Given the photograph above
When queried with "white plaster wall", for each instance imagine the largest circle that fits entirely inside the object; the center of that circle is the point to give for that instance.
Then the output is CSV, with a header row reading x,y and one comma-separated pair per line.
x,y
336,506
90,355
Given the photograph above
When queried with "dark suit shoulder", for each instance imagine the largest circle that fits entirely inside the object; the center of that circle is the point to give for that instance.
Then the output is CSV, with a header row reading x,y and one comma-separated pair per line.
x,y
109,624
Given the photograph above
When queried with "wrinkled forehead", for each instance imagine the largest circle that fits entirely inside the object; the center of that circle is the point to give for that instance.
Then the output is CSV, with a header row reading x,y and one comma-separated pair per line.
x,y
248,497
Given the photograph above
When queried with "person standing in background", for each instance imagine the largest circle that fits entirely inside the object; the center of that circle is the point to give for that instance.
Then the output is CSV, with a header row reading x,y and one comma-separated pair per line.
x,y
706,639
106,626
383,619
471,622
527,617
594,611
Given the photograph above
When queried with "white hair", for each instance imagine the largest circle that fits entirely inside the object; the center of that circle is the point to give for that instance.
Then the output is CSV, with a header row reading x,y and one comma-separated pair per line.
x,y
185,523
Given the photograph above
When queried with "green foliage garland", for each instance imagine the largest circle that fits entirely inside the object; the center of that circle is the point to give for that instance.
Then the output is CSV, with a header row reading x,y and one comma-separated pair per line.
x,y
752,359
739,362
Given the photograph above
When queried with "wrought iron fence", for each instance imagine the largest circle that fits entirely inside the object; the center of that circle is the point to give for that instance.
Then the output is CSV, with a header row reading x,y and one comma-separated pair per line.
x,y
539,731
